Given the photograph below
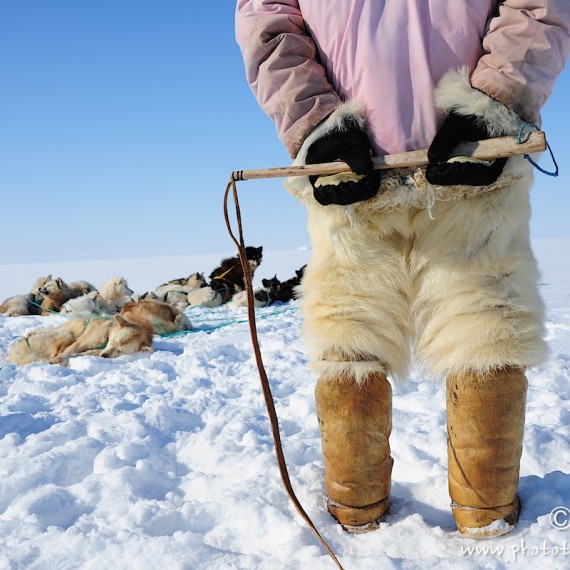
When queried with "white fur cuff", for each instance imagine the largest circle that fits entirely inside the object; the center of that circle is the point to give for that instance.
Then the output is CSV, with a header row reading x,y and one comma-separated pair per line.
x,y
337,120
358,371
455,93
350,111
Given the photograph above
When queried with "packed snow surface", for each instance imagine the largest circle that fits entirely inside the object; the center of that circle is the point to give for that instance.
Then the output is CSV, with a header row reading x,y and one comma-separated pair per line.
x,y
165,459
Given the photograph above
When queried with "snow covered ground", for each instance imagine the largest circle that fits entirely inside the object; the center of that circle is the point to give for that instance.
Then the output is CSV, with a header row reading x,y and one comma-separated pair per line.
x,y
165,460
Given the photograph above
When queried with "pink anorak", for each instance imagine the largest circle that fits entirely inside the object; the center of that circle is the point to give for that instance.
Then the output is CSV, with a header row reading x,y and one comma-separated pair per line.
x,y
304,57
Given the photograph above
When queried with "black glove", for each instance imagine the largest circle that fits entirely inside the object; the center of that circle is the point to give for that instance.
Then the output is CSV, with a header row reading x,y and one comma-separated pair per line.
x,y
350,145
457,129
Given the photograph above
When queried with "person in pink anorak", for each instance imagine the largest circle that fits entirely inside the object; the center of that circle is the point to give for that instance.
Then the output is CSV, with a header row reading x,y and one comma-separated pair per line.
x,y
433,264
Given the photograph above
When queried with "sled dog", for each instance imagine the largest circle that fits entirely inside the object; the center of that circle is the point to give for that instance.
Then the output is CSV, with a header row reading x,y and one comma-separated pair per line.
x,y
161,317
204,297
175,292
107,337
227,279
83,306
113,295
261,298
284,291
18,305
52,295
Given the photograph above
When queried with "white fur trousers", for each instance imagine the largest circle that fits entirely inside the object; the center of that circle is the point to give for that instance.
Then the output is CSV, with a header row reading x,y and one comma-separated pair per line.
x,y
458,290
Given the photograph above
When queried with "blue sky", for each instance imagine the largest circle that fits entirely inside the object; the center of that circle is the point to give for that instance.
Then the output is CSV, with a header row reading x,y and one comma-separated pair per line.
x,y
120,123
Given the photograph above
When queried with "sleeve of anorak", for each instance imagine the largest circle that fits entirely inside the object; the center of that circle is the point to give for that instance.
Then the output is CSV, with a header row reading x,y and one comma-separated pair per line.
x,y
282,68
526,47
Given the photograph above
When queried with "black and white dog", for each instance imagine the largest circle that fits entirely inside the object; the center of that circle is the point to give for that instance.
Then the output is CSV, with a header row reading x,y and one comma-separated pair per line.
x,y
283,291
227,279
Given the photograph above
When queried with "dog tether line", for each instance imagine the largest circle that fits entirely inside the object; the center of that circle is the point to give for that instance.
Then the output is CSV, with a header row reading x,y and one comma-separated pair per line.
x,y
240,244
223,275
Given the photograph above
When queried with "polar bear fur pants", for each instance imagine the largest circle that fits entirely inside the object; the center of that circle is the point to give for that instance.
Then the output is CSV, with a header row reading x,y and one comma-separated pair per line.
x,y
458,285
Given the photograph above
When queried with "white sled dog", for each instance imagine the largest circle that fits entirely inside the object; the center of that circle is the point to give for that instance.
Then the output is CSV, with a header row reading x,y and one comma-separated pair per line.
x,y
175,292
204,297
18,306
113,295
194,281
261,298
83,306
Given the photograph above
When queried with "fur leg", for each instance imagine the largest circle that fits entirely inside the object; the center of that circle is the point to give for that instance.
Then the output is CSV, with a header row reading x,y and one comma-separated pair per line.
x,y
355,295
485,425
475,285
355,421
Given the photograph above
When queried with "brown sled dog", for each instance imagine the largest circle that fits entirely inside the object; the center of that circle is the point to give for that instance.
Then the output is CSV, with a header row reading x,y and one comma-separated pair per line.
x,y
161,317
106,337
52,295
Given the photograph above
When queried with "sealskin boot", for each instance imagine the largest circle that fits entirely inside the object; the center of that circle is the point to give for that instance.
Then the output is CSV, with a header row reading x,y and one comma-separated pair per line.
x,y
485,425
355,422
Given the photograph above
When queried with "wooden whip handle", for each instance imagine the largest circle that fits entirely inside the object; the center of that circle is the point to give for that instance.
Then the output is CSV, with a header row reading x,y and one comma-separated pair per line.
x,y
488,149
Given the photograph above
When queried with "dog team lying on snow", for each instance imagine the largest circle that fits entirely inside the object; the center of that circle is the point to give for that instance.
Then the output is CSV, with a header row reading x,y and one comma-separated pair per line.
x,y
82,299
113,320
